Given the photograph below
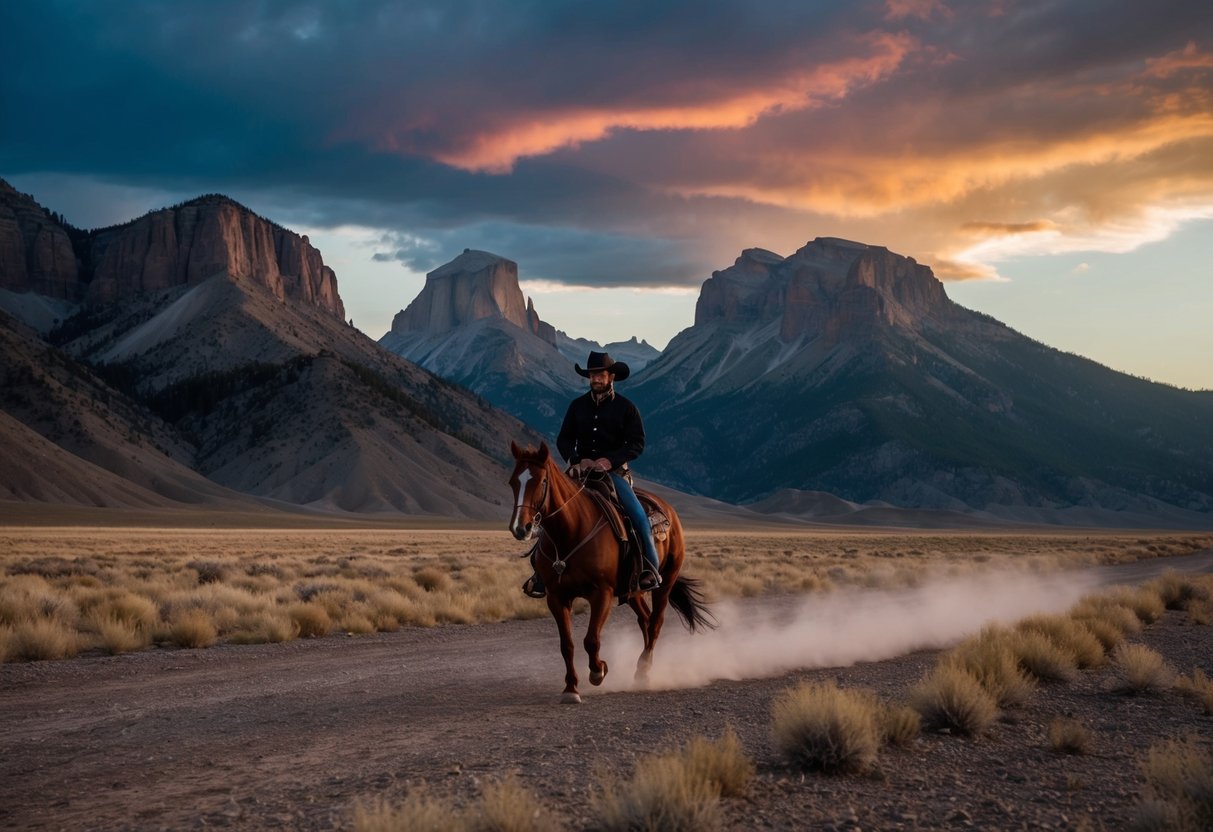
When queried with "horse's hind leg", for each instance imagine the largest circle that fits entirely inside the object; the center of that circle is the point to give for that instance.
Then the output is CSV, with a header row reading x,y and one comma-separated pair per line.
x,y
641,608
600,610
564,622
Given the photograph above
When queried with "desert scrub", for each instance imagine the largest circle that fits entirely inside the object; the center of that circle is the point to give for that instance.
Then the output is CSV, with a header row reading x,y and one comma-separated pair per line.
x,y
663,793
41,639
950,698
1178,591
899,724
193,628
1198,686
1179,788
1069,736
1140,669
1068,635
721,763
503,806
989,658
1041,658
822,727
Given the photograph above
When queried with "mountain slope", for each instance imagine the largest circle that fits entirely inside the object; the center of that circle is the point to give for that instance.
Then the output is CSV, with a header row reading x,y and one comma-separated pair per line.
x,y
217,339
471,326
844,368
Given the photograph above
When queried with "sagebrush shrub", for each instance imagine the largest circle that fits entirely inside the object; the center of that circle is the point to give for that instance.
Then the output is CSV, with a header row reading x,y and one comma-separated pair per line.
x,y
1199,687
1140,669
1041,658
663,794
721,763
1179,786
826,728
990,659
949,697
311,619
1069,736
1068,635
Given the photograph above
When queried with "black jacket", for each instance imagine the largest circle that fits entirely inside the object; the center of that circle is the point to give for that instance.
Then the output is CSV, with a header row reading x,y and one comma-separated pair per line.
x,y
591,430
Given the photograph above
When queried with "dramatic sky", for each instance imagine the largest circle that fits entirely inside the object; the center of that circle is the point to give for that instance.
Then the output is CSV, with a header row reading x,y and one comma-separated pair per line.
x,y
1051,160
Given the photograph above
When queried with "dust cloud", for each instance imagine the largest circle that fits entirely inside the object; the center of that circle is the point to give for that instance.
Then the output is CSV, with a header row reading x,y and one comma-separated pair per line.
x,y
765,637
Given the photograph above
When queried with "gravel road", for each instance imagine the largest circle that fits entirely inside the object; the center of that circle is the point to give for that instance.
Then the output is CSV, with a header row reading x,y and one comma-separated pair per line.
x,y
290,735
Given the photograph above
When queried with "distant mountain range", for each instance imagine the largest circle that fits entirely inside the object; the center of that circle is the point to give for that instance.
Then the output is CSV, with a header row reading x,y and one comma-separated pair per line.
x,y
199,356
846,369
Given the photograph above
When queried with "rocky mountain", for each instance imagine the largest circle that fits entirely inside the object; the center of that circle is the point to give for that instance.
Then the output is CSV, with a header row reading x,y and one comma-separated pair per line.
x,y
846,369
471,325
207,362
36,253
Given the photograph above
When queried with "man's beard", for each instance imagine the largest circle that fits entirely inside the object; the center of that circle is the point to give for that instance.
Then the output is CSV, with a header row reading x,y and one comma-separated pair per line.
x,y
599,388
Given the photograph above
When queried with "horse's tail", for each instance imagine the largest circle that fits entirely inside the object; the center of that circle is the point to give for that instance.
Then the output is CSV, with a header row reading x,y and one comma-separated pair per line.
x,y
688,602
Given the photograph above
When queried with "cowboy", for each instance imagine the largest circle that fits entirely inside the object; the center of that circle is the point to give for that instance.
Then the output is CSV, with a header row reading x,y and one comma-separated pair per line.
x,y
602,430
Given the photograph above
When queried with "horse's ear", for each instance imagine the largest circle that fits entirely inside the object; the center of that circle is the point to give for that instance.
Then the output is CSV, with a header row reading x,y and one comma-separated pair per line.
x,y
515,450
544,452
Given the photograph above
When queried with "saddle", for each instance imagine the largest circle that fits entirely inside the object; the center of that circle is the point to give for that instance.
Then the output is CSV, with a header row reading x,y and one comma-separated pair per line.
x,y
600,486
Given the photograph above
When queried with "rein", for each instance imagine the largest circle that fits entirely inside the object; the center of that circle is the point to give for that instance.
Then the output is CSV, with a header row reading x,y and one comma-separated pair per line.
x,y
559,564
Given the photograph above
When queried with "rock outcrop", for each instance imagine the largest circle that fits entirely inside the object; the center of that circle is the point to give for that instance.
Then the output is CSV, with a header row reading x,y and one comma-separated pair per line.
x,y
829,287
35,251
205,237
473,286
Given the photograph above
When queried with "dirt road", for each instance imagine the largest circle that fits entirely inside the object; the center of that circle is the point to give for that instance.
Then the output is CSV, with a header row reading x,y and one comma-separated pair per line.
x,y
290,735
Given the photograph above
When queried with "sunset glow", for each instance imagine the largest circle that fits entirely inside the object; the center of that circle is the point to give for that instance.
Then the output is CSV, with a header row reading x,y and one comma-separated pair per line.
x,y
626,146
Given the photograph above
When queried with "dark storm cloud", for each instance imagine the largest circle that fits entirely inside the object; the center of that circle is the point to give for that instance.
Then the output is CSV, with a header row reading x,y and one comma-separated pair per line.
x,y
615,142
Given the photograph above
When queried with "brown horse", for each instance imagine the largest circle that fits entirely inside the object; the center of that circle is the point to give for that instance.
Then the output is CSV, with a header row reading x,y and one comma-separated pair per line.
x,y
578,557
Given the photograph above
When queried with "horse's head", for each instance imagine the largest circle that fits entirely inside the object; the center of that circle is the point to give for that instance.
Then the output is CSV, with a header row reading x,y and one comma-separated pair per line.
x,y
530,484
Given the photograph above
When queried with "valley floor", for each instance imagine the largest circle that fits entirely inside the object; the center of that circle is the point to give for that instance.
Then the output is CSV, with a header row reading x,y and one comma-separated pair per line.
x,y
292,735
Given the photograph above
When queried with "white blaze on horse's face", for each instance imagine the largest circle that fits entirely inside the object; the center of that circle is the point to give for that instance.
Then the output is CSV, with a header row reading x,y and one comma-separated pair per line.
x,y
517,528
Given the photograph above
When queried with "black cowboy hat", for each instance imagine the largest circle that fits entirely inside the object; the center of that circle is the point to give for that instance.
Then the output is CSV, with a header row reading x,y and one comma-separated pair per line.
x,y
602,361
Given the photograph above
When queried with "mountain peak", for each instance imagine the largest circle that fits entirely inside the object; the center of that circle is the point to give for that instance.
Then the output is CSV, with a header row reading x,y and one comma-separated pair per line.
x,y
473,286
828,286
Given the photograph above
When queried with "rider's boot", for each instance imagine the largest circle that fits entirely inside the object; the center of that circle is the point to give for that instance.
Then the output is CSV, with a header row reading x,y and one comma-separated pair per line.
x,y
534,587
650,577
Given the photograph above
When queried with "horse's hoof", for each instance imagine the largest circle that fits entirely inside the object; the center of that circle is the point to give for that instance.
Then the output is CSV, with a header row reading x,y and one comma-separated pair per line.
x,y
570,698
596,677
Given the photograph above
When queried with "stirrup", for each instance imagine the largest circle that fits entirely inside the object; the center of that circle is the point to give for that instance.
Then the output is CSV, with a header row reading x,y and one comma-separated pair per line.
x,y
648,581
533,588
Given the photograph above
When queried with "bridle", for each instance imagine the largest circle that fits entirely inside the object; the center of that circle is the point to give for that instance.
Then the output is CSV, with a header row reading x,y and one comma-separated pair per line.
x,y
537,518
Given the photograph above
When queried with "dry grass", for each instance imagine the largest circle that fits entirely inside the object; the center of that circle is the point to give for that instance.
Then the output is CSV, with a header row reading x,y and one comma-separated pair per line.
x,y
822,727
900,725
1179,786
193,628
1069,736
950,698
1178,592
40,639
504,806
989,658
1199,687
1140,669
1069,635
118,589
1041,658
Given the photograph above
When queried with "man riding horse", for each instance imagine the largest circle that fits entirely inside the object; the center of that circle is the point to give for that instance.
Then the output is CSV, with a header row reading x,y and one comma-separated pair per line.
x,y
603,431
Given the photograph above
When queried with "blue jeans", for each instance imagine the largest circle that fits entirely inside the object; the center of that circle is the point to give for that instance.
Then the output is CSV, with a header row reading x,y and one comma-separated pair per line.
x,y
640,520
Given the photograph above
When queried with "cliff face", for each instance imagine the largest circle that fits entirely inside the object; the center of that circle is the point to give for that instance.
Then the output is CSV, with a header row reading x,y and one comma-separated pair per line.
x,y
207,237
830,287
35,251
180,246
473,286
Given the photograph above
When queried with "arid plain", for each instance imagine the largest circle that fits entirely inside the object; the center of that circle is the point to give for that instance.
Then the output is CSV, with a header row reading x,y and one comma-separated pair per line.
x,y
355,669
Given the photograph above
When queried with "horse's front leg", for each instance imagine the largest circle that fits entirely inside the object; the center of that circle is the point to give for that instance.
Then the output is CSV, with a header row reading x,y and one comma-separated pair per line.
x,y
562,612
600,610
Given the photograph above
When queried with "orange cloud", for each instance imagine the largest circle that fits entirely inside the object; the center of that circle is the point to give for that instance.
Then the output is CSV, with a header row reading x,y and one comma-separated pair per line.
x,y
1008,229
497,150
1190,57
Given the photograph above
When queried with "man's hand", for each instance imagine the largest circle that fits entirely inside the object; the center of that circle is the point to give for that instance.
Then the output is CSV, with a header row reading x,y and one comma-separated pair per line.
x,y
602,464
